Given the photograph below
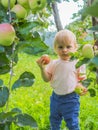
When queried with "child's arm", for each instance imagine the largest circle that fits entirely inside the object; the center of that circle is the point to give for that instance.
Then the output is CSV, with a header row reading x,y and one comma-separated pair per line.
x,y
45,75
81,75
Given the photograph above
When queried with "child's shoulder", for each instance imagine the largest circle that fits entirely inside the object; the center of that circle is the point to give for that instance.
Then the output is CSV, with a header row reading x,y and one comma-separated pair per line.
x,y
54,61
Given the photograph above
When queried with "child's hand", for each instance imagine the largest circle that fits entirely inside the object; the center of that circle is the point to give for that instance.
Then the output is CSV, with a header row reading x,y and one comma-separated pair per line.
x,y
44,60
81,90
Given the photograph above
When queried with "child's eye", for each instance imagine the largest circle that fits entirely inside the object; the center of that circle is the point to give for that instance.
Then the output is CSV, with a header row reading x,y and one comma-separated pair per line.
x,y
68,47
60,47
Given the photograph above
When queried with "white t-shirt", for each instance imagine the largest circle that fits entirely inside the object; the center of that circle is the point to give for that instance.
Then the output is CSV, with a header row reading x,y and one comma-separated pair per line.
x,y
64,76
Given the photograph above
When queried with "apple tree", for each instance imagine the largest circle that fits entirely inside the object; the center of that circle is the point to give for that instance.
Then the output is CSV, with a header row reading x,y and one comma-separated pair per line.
x,y
86,30
19,22
92,62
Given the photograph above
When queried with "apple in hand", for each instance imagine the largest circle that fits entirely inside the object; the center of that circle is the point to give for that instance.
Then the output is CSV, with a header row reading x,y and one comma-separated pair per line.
x,y
46,59
80,90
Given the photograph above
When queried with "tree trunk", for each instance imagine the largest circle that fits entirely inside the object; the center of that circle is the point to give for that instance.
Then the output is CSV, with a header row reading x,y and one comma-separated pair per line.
x,y
56,16
94,22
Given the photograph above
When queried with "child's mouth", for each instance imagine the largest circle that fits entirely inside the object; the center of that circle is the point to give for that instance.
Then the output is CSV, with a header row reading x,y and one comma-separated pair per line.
x,y
65,54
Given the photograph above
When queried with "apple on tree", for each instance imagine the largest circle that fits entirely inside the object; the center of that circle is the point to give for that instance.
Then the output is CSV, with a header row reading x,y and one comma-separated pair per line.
x,y
7,34
5,3
87,51
24,3
37,5
20,11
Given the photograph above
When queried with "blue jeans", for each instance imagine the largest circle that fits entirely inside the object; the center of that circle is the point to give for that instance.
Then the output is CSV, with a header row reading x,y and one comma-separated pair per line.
x,y
64,107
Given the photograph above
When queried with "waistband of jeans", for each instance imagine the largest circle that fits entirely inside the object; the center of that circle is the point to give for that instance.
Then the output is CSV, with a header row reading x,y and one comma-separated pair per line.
x,y
65,95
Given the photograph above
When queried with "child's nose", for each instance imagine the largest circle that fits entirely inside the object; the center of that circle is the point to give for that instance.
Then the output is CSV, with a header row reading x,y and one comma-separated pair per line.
x,y
65,49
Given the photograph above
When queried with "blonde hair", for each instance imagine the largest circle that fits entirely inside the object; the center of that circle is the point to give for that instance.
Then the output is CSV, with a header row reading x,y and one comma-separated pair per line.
x,y
65,36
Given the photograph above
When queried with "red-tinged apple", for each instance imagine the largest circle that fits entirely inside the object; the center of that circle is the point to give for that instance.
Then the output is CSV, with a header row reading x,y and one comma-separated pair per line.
x,y
5,3
46,59
7,34
37,5
20,11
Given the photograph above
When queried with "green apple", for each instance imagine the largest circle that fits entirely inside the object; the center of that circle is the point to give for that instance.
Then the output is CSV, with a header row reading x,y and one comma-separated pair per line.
x,y
24,3
87,51
5,3
20,11
37,5
7,34
79,89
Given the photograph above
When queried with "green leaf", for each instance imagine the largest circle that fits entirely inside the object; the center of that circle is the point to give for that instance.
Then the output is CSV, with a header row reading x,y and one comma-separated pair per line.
x,y
3,59
33,50
1,82
3,14
94,28
92,92
82,61
5,126
33,46
6,118
92,10
17,110
25,120
10,54
91,67
2,49
87,82
4,95
95,61
4,69
6,115
25,28
4,64
25,80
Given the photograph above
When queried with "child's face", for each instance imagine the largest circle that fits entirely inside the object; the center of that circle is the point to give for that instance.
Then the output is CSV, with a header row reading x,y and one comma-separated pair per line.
x,y
64,50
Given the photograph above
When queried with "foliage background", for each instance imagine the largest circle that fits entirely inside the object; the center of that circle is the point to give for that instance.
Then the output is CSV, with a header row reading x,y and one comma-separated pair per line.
x,y
34,100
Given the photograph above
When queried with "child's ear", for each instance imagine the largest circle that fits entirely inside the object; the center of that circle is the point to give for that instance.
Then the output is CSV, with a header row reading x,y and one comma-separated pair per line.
x,y
55,48
76,46
76,49
55,51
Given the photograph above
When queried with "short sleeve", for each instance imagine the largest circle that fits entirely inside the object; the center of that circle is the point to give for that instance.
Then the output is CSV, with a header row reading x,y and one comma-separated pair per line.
x,y
50,67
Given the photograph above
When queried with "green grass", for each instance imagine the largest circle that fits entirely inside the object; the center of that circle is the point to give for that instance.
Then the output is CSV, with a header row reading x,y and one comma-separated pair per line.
x,y
35,100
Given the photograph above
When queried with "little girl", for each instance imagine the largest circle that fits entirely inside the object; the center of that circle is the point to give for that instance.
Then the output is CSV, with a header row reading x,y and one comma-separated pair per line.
x,y
64,78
